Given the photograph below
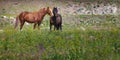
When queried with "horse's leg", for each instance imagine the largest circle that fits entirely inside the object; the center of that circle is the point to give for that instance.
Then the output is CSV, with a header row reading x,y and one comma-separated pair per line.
x,y
54,27
34,26
39,25
21,25
60,26
50,26
57,26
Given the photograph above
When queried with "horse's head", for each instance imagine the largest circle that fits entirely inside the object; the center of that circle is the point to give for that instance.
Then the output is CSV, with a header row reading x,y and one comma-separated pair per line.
x,y
49,11
55,11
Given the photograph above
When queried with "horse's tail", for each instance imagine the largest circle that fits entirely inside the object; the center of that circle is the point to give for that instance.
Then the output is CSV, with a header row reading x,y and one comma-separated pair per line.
x,y
16,22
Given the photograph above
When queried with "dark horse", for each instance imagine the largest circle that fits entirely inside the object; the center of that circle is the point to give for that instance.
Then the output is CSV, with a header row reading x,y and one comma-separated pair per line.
x,y
35,17
56,20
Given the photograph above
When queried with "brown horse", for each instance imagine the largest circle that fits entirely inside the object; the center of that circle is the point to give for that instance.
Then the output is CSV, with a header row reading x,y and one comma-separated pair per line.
x,y
32,17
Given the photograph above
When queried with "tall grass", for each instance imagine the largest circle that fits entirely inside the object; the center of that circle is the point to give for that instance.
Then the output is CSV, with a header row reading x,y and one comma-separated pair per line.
x,y
74,42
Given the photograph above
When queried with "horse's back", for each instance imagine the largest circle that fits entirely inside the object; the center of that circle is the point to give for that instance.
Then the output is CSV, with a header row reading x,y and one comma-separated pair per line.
x,y
22,14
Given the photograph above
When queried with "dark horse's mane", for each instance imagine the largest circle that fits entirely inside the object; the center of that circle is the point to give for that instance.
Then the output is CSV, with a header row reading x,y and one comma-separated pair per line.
x,y
56,20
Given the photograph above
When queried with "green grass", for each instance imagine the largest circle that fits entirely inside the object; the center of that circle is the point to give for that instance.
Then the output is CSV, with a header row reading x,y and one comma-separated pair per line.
x,y
85,40
56,45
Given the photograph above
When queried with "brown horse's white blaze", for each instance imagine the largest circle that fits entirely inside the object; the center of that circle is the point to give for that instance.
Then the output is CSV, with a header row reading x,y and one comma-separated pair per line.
x,y
32,17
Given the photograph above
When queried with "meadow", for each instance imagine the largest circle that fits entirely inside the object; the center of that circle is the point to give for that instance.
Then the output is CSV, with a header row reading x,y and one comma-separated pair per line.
x,y
88,37
83,37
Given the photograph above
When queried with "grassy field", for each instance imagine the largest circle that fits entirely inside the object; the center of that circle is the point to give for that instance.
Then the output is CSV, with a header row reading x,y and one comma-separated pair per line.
x,y
84,37
93,37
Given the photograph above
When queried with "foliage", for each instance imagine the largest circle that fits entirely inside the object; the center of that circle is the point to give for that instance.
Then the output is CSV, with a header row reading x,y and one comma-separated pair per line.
x,y
85,41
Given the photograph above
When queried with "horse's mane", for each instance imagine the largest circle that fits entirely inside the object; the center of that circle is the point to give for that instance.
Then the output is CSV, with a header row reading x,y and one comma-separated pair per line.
x,y
42,9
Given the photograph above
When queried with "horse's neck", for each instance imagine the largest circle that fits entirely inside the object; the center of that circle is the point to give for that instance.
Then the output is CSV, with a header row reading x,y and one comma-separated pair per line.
x,y
56,15
42,14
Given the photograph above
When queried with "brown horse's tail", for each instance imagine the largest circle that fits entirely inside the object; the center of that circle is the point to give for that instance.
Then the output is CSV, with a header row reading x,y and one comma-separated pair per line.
x,y
16,22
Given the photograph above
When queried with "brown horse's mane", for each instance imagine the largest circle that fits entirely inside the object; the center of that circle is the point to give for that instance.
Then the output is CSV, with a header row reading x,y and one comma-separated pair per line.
x,y
40,11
